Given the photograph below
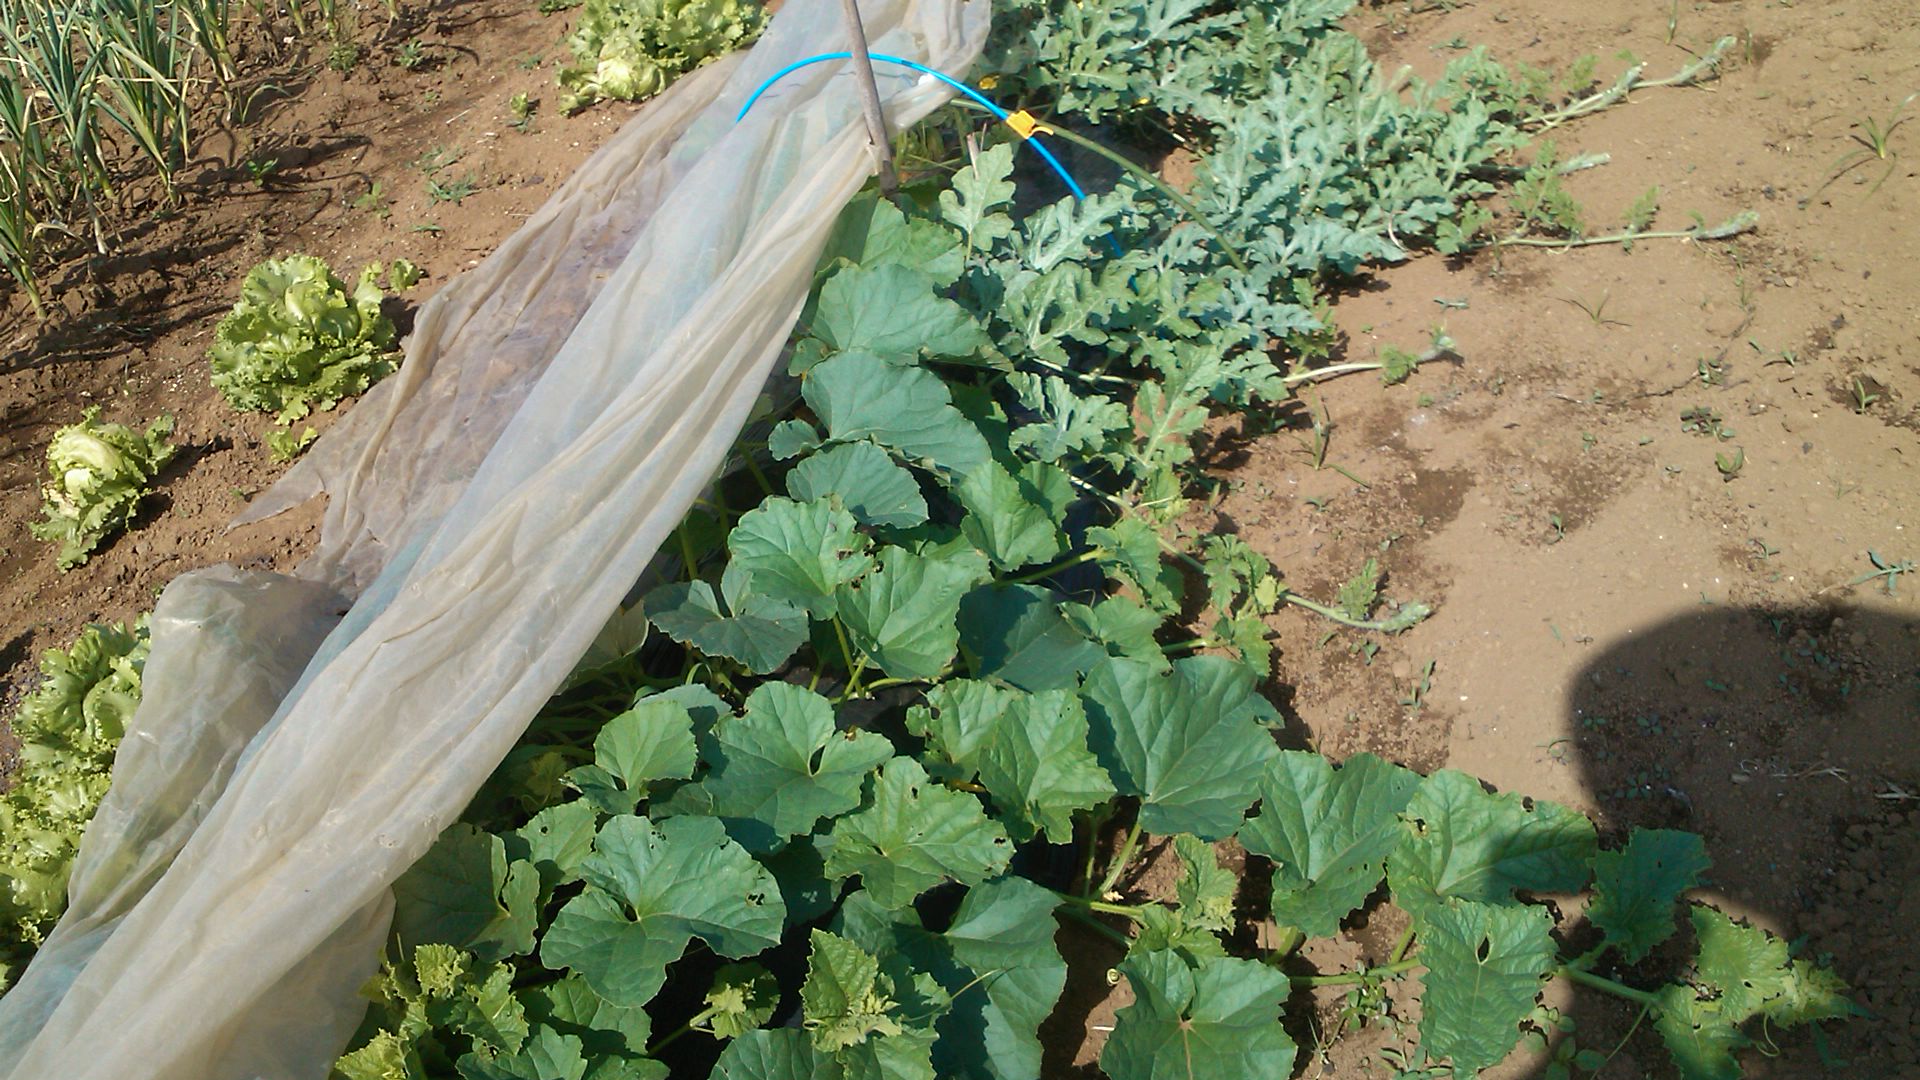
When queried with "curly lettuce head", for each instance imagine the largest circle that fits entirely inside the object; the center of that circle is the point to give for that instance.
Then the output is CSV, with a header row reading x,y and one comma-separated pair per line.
x,y
96,476
630,50
299,339
69,731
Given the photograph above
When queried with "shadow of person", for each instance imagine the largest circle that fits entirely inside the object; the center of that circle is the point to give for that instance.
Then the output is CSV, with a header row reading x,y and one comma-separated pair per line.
x,y
1790,739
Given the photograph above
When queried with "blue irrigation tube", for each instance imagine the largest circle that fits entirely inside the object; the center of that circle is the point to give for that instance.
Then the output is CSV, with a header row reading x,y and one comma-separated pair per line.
x,y
976,95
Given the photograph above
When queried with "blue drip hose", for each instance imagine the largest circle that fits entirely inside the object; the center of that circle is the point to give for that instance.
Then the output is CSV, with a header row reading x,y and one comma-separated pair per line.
x,y
976,95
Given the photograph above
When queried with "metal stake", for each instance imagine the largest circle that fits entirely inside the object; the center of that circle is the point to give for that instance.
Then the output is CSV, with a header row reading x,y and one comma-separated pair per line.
x,y
870,97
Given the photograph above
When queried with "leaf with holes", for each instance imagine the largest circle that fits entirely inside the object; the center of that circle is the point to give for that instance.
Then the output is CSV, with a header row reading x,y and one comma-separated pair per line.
x,y
1635,888
1461,841
1485,966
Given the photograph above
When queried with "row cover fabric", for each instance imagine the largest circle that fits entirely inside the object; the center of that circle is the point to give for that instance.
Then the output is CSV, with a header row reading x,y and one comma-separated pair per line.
x,y
304,738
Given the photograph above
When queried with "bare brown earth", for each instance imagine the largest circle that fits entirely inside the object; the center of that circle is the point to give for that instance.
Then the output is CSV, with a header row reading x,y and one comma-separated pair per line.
x,y
1619,626
129,331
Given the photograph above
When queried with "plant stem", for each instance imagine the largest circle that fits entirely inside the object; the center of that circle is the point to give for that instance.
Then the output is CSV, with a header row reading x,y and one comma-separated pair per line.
x,y
1328,372
1348,978
1085,918
1600,982
1119,863
1044,572
692,1024
1399,952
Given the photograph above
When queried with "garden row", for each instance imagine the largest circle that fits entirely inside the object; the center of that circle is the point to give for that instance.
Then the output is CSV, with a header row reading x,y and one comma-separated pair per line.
x,y
937,657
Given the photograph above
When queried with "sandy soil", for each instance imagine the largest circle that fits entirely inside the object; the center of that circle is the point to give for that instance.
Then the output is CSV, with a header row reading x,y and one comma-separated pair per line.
x,y
1619,625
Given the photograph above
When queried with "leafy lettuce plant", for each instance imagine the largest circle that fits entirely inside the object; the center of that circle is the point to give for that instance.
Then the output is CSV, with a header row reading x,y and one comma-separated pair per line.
x,y
299,339
68,730
630,50
97,474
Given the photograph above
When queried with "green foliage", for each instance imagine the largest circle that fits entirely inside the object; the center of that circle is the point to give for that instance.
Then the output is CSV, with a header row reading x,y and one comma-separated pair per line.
x,y
96,476
630,50
68,729
298,339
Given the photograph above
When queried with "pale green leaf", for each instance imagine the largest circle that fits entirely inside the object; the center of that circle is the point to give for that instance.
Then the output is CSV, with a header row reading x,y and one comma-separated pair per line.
x,y
894,313
869,483
908,410
798,552
1006,519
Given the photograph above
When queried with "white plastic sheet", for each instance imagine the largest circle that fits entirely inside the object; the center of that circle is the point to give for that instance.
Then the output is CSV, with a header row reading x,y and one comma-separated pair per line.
x,y
304,739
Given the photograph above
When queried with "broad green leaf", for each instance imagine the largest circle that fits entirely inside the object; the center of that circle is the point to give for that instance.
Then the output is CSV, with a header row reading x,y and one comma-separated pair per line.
x,y
649,890
872,231
1698,1035
905,409
782,766
1184,742
555,841
1460,841
651,741
465,893
913,835
977,196
570,1007
1810,993
547,1055
798,552
623,1068
1635,888
791,438
742,998
843,1000
1328,833
1485,966
893,313
870,484
1003,933
1219,1021
1006,520
760,633
1037,767
903,614
1017,634
776,1054
1745,964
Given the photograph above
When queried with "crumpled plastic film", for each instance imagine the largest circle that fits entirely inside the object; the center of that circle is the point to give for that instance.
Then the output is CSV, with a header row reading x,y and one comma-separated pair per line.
x,y
560,408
